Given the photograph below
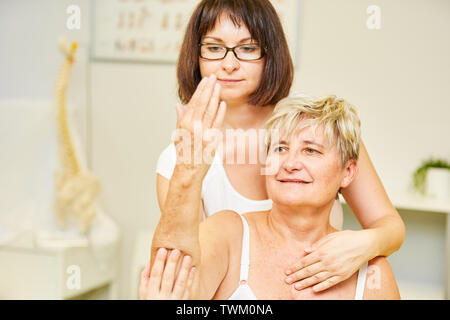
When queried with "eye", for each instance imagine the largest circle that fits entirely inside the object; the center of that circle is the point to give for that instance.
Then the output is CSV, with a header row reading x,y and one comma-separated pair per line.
x,y
214,48
279,149
248,49
312,151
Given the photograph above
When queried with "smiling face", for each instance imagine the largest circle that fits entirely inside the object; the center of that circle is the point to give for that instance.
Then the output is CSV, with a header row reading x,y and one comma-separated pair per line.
x,y
308,170
238,79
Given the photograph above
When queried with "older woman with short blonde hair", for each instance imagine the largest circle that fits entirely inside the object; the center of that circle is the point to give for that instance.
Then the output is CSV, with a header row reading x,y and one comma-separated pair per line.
x,y
312,147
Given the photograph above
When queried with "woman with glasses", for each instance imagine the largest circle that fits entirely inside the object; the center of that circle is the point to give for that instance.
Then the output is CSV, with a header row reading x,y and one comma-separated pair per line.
x,y
234,66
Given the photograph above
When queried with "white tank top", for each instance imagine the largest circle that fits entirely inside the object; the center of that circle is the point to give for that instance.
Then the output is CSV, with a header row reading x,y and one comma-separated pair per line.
x,y
244,292
218,194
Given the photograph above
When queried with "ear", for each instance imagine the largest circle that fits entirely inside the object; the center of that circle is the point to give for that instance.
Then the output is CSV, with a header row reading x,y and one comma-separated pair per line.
x,y
351,168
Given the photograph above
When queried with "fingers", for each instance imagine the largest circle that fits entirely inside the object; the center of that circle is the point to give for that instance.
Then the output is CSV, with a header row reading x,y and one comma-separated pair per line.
x,y
317,278
309,249
145,274
304,262
157,269
193,103
180,112
304,273
169,272
220,116
330,282
182,279
202,102
198,92
187,292
213,106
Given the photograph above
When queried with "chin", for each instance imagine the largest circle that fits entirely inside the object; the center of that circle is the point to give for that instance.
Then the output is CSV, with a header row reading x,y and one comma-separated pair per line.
x,y
292,200
232,94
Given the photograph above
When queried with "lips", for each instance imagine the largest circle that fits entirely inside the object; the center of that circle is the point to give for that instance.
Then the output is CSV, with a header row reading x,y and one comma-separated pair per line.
x,y
229,81
299,181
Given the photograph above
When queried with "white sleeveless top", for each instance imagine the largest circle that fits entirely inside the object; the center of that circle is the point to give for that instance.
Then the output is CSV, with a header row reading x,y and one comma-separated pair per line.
x,y
244,292
218,194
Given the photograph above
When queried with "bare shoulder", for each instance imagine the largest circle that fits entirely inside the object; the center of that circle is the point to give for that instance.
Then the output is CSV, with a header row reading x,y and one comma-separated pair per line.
x,y
380,281
226,223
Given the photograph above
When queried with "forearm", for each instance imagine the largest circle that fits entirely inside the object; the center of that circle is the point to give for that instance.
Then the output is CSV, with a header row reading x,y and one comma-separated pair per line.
x,y
179,226
369,201
388,234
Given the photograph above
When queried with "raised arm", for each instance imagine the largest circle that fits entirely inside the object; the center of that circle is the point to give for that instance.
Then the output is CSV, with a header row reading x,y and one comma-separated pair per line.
x,y
162,189
179,223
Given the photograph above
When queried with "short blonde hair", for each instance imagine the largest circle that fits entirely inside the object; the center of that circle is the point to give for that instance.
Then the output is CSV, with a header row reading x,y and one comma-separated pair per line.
x,y
340,120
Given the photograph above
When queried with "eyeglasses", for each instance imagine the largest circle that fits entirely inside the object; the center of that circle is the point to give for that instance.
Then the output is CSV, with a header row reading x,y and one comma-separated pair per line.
x,y
245,52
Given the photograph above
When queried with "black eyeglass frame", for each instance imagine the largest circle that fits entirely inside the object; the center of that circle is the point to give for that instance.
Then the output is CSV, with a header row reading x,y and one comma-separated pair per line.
x,y
230,49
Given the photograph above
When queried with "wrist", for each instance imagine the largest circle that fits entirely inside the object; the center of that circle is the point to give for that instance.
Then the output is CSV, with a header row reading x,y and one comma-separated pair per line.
x,y
187,175
372,243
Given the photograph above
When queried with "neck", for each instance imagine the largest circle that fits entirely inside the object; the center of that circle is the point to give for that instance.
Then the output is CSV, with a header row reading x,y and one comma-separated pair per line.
x,y
304,225
246,116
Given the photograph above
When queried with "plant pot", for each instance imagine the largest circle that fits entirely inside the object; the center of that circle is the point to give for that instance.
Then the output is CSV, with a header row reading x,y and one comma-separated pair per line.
x,y
438,183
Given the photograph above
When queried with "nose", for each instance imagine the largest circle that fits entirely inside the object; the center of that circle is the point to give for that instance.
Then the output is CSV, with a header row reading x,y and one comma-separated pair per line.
x,y
230,63
292,162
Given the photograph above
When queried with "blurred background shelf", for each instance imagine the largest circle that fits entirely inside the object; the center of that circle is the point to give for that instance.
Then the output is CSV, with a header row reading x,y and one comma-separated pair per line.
x,y
420,291
47,273
422,265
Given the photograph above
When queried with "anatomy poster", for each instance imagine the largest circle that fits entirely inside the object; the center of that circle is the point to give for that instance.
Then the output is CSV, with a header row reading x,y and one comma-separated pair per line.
x,y
152,30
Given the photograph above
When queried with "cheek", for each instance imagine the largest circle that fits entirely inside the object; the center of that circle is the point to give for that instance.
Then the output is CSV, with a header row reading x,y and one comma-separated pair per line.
x,y
203,70
206,68
272,164
271,186
257,71
329,175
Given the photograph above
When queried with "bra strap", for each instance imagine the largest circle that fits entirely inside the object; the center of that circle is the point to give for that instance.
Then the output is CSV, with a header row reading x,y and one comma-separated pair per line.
x,y
245,255
361,282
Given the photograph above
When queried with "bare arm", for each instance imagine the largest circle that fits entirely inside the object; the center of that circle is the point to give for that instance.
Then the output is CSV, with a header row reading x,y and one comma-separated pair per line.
x,y
373,209
180,198
211,253
162,188
178,226
380,281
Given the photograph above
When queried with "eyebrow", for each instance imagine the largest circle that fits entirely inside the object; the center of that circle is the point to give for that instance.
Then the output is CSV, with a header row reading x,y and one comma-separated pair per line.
x,y
305,141
220,40
314,143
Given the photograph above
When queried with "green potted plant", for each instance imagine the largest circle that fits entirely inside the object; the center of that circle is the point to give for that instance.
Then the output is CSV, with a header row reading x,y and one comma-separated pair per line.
x,y
432,178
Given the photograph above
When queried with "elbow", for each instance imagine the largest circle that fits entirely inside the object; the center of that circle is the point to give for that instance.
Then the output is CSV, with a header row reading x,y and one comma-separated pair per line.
x,y
401,231
398,228
396,221
391,226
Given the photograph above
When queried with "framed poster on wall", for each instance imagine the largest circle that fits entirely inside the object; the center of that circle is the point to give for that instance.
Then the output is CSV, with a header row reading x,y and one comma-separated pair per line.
x,y
152,30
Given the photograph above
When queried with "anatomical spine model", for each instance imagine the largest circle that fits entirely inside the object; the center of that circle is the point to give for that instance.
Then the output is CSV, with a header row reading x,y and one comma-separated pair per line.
x,y
75,187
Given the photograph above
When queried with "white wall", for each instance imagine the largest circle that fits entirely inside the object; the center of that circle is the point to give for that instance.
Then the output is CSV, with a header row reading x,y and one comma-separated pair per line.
x,y
130,127
29,55
398,77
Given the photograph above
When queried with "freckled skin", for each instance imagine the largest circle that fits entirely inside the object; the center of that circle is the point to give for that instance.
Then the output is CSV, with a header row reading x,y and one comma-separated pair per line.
x,y
268,260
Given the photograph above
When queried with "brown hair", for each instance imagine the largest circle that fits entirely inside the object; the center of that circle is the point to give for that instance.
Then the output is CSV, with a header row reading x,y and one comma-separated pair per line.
x,y
264,26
